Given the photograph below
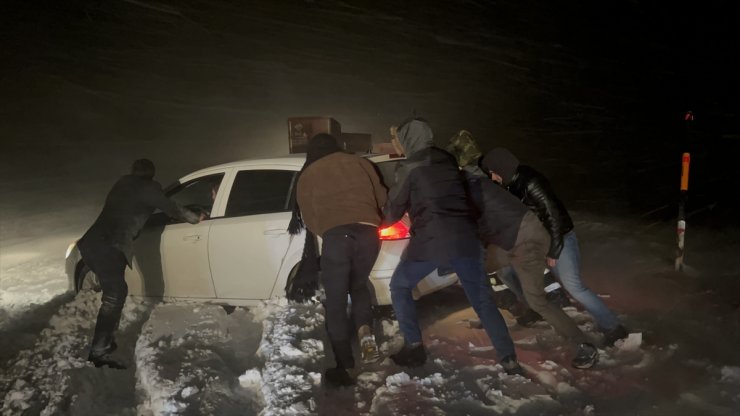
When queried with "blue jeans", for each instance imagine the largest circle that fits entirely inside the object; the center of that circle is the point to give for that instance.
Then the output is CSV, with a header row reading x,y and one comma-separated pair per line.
x,y
477,288
568,271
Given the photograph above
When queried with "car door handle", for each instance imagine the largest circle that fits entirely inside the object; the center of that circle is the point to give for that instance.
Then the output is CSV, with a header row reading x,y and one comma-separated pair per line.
x,y
276,232
193,238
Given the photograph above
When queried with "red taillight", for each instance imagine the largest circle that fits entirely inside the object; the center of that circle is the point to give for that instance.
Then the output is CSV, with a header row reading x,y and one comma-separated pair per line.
x,y
397,231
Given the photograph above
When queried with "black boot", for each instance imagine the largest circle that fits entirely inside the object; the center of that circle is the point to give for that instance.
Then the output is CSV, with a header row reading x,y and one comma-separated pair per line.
x,y
610,337
410,355
511,365
529,318
558,297
106,360
338,377
586,356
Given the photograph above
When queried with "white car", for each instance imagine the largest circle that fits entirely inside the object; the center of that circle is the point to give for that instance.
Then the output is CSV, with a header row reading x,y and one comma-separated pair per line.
x,y
242,253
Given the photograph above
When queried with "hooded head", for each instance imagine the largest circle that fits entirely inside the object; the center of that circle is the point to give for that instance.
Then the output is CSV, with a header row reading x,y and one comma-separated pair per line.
x,y
143,168
502,162
321,145
463,147
414,134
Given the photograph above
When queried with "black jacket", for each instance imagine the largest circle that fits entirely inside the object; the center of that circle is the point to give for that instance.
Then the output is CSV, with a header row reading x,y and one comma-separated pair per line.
x,y
535,191
127,207
501,213
430,187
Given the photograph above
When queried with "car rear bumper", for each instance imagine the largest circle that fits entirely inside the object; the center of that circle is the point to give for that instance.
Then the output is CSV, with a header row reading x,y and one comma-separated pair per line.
x,y
381,280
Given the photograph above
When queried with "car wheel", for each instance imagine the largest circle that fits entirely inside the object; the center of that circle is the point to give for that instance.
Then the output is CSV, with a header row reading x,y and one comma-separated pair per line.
x,y
89,280
291,278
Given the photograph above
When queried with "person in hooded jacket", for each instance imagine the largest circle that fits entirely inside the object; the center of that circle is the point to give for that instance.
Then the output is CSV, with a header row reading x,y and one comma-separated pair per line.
x,y
107,248
430,187
563,255
509,224
340,198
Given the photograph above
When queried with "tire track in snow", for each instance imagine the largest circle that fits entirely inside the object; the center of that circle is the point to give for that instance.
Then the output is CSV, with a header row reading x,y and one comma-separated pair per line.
x,y
293,352
54,375
189,358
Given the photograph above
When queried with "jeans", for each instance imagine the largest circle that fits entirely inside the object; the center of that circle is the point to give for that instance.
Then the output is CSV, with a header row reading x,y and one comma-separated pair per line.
x,y
477,289
568,271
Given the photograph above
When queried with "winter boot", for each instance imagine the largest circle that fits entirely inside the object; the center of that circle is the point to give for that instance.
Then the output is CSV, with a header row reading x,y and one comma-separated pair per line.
x,y
586,356
554,292
369,350
529,318
338,377
106,360
412,355
511,365
610,337
368,346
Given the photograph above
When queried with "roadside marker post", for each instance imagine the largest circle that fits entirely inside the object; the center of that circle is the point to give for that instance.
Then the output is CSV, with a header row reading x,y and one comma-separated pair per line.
x,y
681,227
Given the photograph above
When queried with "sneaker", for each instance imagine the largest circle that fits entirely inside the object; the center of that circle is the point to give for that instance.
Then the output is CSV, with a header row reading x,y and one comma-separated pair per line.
x,y
586,356
338,377
106,360
511,365
529,318
369,350
610,337
410,355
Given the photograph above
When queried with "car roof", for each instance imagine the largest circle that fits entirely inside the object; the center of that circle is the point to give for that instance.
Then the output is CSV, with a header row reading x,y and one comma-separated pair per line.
x,y
296,159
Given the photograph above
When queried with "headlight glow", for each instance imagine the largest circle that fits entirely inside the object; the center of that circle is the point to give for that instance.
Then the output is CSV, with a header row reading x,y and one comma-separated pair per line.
x,y
69,250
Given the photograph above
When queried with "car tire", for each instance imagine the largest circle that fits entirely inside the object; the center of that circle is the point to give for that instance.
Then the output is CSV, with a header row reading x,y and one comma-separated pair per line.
x,y
292,275
89,280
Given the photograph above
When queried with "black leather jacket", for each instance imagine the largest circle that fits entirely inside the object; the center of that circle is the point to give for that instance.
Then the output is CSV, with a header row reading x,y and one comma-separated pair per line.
x,y
535,192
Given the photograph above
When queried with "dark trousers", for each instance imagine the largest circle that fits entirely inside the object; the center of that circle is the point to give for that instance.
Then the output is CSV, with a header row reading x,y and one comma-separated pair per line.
x,y
347,257
109,265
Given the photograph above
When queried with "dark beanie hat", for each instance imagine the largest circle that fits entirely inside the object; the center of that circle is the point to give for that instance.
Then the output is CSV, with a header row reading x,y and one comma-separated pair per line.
x,y
321,145
502,162
143,168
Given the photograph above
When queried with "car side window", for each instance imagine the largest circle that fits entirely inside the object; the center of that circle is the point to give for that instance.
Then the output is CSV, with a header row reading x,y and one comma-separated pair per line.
x,y
260,192
197,195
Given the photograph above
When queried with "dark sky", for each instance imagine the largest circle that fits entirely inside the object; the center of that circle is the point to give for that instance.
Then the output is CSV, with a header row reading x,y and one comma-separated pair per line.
x,y
591,94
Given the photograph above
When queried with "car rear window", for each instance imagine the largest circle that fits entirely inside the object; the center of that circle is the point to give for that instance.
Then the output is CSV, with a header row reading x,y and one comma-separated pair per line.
x,y
260,192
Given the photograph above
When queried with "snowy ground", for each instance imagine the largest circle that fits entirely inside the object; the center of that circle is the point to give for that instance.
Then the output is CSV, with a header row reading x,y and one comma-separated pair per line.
x,y
590,94
194,359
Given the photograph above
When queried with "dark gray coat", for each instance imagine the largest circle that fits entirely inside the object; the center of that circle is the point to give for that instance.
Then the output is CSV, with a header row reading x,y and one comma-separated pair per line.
x,y
430,187
127,207
501,214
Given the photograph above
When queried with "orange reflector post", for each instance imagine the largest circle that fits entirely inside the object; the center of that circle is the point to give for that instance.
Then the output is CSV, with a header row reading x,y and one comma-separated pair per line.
x,y
685,161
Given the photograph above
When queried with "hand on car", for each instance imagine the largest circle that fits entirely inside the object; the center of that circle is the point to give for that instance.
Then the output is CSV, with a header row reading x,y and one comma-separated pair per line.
x,y
551,262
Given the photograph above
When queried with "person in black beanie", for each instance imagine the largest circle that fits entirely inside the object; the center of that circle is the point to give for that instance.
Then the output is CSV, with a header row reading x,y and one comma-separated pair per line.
x,y
563,255
508,224
339,196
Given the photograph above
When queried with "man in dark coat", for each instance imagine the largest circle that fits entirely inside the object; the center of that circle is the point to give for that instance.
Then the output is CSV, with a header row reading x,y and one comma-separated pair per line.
x,y
430,187
563,255
107,247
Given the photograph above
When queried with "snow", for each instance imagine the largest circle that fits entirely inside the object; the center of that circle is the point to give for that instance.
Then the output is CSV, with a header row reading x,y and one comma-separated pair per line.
x,y
510,74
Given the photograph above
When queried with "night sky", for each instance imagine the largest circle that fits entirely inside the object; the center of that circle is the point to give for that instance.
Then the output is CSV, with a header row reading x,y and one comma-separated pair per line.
x,y
593,95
